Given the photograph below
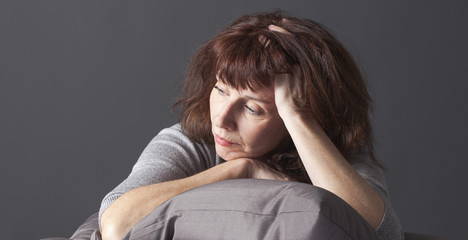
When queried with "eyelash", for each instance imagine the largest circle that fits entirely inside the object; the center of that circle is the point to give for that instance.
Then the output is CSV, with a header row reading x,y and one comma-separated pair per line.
x,y
249,109
219,90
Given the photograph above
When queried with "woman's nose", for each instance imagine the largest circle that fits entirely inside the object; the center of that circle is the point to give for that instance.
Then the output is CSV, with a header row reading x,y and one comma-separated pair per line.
x,y
226,117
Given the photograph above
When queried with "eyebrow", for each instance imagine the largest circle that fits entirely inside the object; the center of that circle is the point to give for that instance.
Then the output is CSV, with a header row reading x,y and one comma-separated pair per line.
x,y
257,99
248,96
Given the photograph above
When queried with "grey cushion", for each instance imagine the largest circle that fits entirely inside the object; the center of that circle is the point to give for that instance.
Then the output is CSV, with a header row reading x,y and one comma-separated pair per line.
x,y
254,209
89,230
247,209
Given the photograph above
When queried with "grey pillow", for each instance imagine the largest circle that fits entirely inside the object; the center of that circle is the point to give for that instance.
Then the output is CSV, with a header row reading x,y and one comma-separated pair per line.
x,y
254,209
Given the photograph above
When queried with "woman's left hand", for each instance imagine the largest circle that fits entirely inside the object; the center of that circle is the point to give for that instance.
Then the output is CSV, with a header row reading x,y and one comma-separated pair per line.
x,y
285,90
325,165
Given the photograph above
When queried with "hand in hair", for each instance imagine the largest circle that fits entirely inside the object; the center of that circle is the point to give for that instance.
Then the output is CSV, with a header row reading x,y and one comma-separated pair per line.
x,y
278,29
325,165
285,92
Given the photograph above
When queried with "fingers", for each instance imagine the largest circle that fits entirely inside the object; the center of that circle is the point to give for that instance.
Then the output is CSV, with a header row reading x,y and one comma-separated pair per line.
x,y
284,94
264,41
282,82
281,88
275,28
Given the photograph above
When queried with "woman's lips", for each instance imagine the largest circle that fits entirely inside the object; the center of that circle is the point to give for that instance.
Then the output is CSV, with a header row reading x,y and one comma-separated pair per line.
x,y
223,142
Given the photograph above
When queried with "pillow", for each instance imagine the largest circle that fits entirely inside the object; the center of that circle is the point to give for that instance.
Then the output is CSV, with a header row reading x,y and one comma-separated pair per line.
x,y
89,230
254,209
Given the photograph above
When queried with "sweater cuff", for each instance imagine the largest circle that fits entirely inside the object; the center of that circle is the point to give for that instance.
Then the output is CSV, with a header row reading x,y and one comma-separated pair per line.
x,y
389,228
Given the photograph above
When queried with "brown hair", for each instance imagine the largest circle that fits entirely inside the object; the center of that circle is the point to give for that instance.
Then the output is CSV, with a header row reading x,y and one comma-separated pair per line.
x,y
248,55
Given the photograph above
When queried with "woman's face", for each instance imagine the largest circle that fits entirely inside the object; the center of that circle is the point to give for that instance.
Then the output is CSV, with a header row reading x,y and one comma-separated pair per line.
x,y
245,124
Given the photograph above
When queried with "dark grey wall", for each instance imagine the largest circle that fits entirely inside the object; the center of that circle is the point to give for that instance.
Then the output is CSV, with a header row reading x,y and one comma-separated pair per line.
x,y
86,84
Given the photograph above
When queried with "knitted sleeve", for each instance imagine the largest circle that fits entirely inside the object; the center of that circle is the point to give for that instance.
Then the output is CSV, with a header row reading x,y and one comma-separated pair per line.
x,y
170,155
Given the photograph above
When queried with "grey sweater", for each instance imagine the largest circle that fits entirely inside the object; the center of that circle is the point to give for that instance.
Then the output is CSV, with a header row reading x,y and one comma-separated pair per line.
x,y
172,155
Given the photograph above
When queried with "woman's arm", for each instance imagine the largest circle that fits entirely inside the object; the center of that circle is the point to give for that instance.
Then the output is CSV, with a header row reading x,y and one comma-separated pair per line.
x,y
324,164
130,208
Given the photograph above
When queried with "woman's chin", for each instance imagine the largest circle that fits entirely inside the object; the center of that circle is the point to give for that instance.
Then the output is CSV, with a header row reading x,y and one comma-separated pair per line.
x,y
230,153
227,154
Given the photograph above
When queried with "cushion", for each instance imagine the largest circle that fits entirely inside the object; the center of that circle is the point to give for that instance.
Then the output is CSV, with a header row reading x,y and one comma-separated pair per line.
x,y
254,209
247,209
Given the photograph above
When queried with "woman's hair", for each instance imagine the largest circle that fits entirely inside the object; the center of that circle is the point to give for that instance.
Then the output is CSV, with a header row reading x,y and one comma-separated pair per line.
x,y
247,55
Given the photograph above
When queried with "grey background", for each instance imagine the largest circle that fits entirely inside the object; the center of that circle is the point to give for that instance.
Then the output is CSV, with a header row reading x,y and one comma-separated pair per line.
x,y
84,86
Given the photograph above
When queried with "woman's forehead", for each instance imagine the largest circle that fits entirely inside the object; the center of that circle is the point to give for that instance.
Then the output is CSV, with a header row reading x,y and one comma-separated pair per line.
x,y
244,81
264,94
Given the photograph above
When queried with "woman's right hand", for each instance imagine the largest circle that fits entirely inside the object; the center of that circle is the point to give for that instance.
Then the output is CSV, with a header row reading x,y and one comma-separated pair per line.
x,y
259,170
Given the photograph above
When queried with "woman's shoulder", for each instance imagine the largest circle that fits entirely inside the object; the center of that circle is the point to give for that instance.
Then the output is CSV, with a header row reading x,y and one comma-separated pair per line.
x,y
176,135
175,130
173,133
173,137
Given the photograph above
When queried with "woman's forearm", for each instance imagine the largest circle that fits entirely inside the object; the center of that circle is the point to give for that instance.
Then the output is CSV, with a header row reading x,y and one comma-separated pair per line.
x,y
130,208
328,169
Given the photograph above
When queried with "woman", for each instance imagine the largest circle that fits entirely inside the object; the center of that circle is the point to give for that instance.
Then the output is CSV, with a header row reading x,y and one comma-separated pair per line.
x,y
269,97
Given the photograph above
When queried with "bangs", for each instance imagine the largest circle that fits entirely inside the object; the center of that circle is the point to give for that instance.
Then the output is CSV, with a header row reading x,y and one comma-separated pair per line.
x,y
250,60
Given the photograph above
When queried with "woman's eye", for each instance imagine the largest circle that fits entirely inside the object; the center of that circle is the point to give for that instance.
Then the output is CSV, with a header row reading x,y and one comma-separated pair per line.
x,y
219,90
251,110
